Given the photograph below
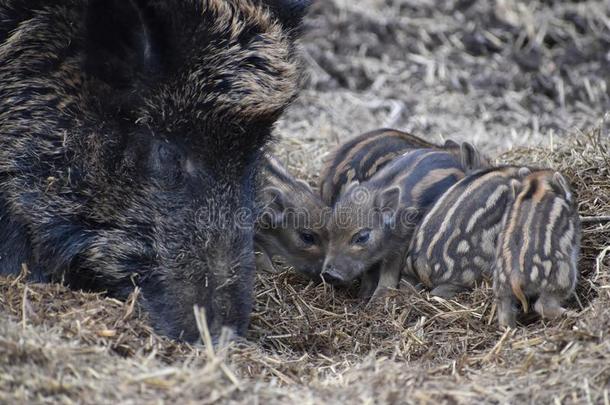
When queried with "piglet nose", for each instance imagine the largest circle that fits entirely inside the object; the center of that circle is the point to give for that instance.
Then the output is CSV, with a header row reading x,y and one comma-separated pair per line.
x,y
332,276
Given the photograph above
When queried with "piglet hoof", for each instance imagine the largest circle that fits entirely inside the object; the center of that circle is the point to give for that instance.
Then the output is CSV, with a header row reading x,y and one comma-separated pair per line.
x,y
409,287
504,325
570,314
265,264
379,297
447,291
507,316
506,320
549,308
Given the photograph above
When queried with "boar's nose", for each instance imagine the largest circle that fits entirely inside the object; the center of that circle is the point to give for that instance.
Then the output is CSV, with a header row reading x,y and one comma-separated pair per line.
x,y
332,276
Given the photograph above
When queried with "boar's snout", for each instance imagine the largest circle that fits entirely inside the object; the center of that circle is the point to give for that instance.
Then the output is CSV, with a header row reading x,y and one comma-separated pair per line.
x,y
215,274
226,303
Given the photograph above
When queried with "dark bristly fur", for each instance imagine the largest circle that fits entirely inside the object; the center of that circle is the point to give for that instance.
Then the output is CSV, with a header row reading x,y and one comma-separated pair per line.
x,y
361,157
373,221
292,221
455,243
538,249
130,137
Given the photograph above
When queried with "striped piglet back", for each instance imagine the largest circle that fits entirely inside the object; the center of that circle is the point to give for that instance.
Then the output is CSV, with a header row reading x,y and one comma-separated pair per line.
x,y
455,243
422,175
363,156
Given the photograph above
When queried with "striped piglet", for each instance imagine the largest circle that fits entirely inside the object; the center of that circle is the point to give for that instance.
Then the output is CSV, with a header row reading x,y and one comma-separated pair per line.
x,y
291,221
373,221
538,249
454,246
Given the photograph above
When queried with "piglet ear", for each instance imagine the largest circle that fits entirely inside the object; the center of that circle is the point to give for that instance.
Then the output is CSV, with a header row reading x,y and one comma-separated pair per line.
x,y
305,185
349,187
121,41
524,172
389,199
470,156
274,205
289,12
451,144
388,202
563,184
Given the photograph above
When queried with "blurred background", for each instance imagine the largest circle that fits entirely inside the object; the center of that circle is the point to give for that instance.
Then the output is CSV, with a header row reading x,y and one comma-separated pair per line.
x,y
500,73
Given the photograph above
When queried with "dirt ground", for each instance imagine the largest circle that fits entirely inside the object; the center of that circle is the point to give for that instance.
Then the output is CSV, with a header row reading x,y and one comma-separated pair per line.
x,y
500,73
526,81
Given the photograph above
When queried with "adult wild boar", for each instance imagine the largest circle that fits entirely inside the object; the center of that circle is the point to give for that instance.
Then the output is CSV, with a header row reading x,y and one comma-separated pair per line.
x,y
130,136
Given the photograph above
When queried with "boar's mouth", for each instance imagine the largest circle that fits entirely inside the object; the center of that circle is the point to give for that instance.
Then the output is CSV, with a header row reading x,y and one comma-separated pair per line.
x,y
226,304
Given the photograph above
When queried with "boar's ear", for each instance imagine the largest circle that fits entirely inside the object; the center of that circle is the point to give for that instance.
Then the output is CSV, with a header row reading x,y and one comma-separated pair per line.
x,y
274,206
122,41
470,156
562,183
289,12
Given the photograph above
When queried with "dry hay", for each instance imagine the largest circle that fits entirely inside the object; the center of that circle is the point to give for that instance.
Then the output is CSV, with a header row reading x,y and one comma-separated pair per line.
x,y
312,343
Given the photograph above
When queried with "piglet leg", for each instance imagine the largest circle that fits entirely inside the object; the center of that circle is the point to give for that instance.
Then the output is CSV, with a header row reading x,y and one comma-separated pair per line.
x,y
548,307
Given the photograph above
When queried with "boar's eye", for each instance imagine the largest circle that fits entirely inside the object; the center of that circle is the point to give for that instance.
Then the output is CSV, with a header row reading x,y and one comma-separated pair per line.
x,y
166,163
362,237
307,237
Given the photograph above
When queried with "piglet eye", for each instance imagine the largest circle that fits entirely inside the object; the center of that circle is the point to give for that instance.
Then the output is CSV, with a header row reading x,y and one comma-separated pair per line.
x,y
307,237
361,237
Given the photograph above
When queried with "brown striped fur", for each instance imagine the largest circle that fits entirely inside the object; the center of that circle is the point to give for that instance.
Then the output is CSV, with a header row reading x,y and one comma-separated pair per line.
x,y
361,157
373,221
291,223
454,245
538,248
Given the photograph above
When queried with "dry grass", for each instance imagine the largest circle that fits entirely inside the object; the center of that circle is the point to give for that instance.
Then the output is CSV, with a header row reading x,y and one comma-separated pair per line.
x,y
452,70
313,343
